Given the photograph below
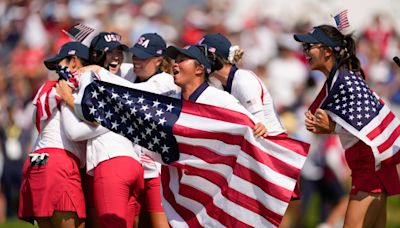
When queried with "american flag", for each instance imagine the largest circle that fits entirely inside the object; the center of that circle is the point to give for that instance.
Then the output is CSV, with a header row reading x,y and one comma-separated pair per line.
x,y
47,100
341,20
79,32
218,174
354,106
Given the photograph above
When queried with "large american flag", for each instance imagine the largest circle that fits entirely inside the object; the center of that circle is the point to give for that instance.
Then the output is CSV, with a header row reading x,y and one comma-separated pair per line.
x,y
355,107
341,20
218,174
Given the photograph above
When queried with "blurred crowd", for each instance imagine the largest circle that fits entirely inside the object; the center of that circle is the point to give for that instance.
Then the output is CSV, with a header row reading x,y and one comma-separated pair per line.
x,y
32,30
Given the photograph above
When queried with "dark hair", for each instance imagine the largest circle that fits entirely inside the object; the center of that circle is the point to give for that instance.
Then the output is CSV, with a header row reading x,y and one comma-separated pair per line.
x,y
97,57
84,62
346,55
215,62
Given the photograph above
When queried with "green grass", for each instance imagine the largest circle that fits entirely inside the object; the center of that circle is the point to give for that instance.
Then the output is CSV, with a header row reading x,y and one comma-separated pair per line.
x,y
16,223
393,213
393,216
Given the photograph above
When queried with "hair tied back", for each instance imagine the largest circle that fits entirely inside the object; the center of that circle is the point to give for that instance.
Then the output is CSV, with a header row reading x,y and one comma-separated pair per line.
x,y
232,52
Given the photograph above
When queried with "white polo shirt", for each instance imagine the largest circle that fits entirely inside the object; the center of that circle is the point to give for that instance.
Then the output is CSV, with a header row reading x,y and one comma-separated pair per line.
x,y
53,136
126,72
245,86
101,145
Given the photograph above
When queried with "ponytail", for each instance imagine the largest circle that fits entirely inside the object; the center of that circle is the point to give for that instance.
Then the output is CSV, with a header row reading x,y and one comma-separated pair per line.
x,y
235,54
345,53
215,60
348,57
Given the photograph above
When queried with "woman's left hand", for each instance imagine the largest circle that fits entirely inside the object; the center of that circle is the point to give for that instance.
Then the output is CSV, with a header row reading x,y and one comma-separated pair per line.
x,y
259,130
323,123
65,92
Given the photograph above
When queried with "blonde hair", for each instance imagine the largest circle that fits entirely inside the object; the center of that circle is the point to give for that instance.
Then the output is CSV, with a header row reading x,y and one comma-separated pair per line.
x,y
235,55
166,65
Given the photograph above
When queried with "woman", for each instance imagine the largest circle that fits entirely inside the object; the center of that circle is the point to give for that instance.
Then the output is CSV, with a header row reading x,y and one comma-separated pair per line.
x,y
150,74
109,155
244,85
151,69
106,50
51,191
192,67
334,54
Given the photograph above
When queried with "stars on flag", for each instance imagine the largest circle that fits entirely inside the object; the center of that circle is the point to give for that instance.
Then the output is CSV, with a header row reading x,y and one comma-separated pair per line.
x,y
141,117
353,101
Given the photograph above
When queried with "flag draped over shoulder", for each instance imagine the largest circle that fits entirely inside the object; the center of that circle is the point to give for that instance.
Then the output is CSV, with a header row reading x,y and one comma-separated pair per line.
x,y
351,104
47,100
218,174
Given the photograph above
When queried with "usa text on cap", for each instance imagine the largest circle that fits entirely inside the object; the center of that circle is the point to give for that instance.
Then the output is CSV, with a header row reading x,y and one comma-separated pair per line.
x,y
106,41
149,45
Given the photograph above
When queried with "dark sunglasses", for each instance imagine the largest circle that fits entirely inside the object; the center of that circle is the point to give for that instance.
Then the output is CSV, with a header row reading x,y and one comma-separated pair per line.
x,y
307,47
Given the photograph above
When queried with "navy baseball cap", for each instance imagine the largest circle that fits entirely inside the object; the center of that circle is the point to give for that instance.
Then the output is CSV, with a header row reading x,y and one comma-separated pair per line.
x,y
192,51
149,45
106,41
317,36
73,48
218,43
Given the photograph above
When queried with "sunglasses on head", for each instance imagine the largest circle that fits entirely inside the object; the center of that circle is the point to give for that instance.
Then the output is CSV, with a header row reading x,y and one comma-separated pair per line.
x,y
203,48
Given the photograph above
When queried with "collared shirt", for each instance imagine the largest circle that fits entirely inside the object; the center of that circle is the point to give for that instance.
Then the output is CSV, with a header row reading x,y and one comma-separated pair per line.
x,y
245,86
126,72
53,135
138,80
195,95
232,71
102,144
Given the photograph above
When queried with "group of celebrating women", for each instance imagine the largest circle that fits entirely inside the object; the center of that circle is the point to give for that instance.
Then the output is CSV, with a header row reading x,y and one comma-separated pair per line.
x,y
82,174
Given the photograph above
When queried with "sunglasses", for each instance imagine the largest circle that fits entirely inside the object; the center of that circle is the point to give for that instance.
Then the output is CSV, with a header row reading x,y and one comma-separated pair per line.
x,y
203,48
307,47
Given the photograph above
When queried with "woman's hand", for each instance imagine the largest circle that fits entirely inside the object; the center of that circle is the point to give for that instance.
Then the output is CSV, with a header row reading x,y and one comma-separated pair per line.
x,y
260,130
309,122
65,92
320,123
